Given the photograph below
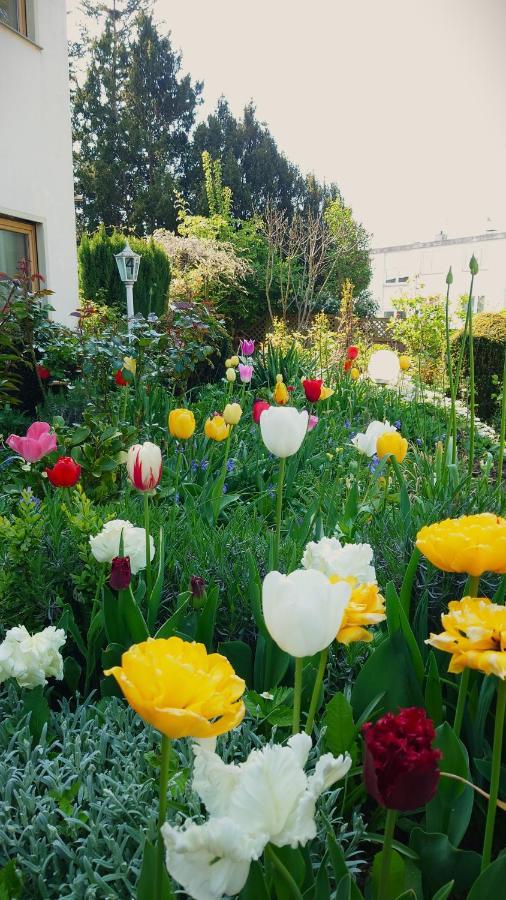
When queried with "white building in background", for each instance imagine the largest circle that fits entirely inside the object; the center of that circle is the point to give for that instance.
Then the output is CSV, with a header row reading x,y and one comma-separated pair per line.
x,y
423,266
37,219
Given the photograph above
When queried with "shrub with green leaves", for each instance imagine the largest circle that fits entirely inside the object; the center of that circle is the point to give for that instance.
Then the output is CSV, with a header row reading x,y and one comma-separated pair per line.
x,y
489,333
99,279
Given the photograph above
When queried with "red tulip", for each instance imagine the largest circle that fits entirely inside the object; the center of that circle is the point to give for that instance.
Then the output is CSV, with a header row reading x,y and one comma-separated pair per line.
x,y
352,352
259,406
347,365
43,373
400,766
121,574
312,388
118,377
65,472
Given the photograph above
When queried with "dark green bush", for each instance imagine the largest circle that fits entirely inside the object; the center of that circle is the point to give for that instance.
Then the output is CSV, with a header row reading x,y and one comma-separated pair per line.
x,y
489,330
99,280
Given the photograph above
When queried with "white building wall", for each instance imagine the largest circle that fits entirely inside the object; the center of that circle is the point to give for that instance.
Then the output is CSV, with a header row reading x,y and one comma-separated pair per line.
x,y
36,179
423,267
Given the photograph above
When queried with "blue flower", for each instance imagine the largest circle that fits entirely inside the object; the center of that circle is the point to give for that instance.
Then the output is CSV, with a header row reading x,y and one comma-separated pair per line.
x,y
397,424
230,465
373,465
270,490
419,442
194,465
347,424
225,488
204,464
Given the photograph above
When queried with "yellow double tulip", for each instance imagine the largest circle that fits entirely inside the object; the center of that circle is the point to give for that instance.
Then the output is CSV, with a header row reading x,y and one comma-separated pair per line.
x,y
216,429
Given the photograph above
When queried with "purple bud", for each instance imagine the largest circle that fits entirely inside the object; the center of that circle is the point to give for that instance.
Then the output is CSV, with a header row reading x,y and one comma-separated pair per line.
x,y
121,575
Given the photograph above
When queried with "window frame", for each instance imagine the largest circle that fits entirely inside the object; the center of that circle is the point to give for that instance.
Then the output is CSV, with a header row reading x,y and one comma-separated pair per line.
x,y
21,226
22,19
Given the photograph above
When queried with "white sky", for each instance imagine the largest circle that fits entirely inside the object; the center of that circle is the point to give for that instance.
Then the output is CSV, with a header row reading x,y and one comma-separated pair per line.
x,y
401,102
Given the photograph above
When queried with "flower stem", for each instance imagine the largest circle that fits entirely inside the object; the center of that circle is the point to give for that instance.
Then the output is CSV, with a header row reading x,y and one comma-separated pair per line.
x,y
502,439
176,483
148,545
474,582
471,379
221,480
386,854
162,814
279,509
316,690
297,692
495,774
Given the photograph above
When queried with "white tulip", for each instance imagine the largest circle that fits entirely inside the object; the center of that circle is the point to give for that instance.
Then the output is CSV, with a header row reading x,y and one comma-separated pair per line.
x,y
283,429
32,658
349,561
365,442
266,799
144,466
105,545
303,611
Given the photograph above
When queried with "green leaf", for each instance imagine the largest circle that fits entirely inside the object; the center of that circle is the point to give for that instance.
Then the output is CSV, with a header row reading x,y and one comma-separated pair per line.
x,y
433,691
72,673
397,876
172,624
450,810
240,656
36,705
286,881
388,670
444,892
255,887
156,591
207,617
340,728
396,619
339,866
343,890
11,886
491,882
133,618
441,862
79,435
146,883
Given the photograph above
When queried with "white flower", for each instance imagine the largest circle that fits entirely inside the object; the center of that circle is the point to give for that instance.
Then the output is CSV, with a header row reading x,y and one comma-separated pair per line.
x,y
347,561
105,545
283,429
303,611
366,442
267,798
32,659
144,466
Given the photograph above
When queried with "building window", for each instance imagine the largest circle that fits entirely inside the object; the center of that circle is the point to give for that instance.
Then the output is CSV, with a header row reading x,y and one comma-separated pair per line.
x,y
17,245
13,13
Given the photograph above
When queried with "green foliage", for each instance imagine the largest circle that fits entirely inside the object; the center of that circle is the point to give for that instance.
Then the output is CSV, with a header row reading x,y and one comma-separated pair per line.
x,y
489,332
351,249
99,280
23,581
422,331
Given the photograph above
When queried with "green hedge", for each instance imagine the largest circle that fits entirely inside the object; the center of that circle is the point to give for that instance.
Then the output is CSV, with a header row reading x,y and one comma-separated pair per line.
x,y
99,279
489,330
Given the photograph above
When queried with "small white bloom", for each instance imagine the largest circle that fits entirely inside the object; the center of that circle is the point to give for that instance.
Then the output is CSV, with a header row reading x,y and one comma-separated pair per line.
x,y
365,442
283,429
105,545
32,659
303,611
346,561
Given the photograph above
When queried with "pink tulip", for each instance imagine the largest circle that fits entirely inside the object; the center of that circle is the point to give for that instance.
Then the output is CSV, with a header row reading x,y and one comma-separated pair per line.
x,y
39,441
312,422
247,348
245,373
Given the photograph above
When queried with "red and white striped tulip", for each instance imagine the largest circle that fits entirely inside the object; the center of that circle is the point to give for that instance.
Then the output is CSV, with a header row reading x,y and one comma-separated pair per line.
x,y
144,466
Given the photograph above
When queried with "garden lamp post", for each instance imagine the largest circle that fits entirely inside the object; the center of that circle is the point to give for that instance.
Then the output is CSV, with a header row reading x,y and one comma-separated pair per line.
x,y
128,267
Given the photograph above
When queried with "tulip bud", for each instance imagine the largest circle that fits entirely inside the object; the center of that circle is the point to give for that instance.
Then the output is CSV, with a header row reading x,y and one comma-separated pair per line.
x,y
234,360
197,590
121,575
230,373
232,413
355,373
449,277
473,265
144,466
279,379
227,364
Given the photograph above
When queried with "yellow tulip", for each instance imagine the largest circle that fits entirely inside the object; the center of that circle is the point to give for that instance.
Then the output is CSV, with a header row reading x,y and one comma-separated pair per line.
x,y
392,444
230,374
228,363
281,393
181,423
130,364
366,607
355,373
234,360
325,392
181,689
216,428
475,634
404,362
471,544
232,413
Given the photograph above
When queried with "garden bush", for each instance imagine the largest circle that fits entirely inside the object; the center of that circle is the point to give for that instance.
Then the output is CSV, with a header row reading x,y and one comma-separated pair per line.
x,y
99,280
489,331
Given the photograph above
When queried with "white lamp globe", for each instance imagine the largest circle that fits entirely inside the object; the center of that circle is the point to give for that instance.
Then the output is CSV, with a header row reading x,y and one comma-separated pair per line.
x,y
384,367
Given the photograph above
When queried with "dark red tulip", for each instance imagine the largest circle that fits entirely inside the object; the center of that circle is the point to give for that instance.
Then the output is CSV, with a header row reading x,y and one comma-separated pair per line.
x,y
352,352
121,575
400,765
197,586
347,365
43,373
65,472
118,377
312,388
259,406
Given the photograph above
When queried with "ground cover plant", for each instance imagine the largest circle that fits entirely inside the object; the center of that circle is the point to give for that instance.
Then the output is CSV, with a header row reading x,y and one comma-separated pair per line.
x,y
252,627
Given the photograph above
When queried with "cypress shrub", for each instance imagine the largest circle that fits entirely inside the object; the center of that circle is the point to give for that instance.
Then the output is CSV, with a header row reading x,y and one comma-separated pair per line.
x,y
489,330
99,279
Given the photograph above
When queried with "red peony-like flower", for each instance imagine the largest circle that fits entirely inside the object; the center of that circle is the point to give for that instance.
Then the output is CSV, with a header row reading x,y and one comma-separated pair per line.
x,y
400,765
352,352
121,574
65,472
118,377
43,373
347,365
259,406
312,388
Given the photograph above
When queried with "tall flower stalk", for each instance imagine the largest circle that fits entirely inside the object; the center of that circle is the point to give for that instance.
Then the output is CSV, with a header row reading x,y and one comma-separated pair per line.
x,y
502,439
473,268
279,511
474,582
162,815
495,774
